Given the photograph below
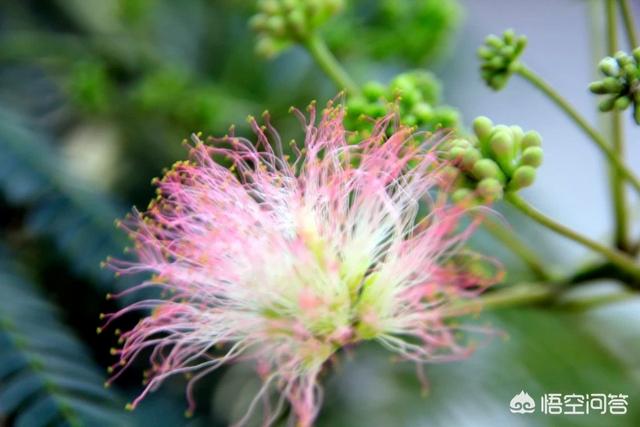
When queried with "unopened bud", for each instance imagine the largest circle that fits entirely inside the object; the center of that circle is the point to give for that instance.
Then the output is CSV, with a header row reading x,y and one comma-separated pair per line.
x,y
523,177
532,156
531,139
487,168
482,127
490,189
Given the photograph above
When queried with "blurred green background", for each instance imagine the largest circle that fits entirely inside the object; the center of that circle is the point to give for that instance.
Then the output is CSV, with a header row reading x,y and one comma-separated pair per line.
x,y
95,99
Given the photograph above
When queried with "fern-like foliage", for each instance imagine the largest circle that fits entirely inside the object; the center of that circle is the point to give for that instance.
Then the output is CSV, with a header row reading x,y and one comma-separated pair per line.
x,y
46,375
78,218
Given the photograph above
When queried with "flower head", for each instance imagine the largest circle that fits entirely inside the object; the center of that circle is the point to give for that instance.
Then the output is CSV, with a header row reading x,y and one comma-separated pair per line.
x,y
283,261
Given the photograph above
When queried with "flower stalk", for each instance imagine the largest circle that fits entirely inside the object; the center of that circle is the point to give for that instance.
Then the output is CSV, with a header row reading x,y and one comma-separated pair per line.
x,y
618,196
515,295
320,52
629,25
512,242
564,105
619,259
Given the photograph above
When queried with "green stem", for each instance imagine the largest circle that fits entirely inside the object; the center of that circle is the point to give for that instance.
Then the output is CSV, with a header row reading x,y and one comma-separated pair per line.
x,y
511,296
627,16
524,294
618,196
537,81
518,247
329,64
587,303
602,270
619,259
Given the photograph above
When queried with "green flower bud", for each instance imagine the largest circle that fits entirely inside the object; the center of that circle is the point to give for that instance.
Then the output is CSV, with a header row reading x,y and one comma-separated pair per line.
x,y
490,189
509,36
498,81
276,25
427,85
609,67
450,173
461,195
447,117
523,177
598,88
607,104
497,62
482,127
297,23
267,47
622,58
502,147
531,139
507,51
611,84
410,120
517,133
469,158
374,91
493,41
485,53
532,156
375,110
356,106
521,44
456,153
487,168
270,7
622,103
629,69
461,143
402,84
423,111
501,144
258,22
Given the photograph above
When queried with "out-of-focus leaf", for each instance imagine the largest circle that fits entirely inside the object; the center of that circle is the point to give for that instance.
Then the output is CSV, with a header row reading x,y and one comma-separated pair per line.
x,y
38,388
545,352
79,219
413,31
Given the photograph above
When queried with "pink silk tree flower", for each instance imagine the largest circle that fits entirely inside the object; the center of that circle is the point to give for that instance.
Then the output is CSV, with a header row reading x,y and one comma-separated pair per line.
x,y
283,260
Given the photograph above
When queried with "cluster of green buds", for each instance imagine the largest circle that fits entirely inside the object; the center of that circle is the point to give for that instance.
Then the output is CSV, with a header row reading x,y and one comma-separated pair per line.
x,y
415,95
497,159
279,23
621,83
499,56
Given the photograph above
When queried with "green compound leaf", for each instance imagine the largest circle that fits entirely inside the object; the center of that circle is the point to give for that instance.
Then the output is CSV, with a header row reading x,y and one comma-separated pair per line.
x,y
46,375
77,218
